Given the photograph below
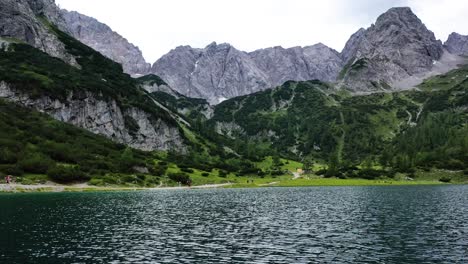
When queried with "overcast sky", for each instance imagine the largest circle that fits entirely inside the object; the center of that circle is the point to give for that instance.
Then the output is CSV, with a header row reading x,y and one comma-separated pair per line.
x,y
157,26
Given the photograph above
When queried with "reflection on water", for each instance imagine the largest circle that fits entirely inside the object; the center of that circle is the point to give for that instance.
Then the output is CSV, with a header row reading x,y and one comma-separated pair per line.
x,y
425,224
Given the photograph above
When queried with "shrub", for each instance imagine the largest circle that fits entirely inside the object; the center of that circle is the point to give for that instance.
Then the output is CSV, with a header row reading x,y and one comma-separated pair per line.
x,y
205,174
276,173
370,174
96,182
453,164
110,179
445,179
321,172
180,177
11,170
141,177
7,156
223,174
129,179
64,174
158,170
36,163
187,170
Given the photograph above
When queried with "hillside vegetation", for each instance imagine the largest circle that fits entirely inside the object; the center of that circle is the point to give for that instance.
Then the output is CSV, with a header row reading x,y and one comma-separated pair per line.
x,y
400,131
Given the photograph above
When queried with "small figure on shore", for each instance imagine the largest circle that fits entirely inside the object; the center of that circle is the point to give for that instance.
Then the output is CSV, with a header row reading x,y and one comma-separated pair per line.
x,y
8,179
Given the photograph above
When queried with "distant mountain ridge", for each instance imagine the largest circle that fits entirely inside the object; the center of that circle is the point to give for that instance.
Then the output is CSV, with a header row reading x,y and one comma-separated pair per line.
x,y
457,44
221,71
396,53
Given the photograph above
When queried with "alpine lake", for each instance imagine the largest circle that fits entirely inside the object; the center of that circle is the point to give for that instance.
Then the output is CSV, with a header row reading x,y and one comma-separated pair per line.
x,y
380,224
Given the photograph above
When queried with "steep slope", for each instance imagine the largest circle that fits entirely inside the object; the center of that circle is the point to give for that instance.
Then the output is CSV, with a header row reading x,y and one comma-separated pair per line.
x,y
97,96
101,38
395,53
220,71
214,73
21,21
457,44
33,142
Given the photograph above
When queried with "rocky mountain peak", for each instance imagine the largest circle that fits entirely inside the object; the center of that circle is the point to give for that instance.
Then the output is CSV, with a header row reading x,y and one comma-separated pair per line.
x,y
213,48
221,71
398,14
102,38
398,46
457,44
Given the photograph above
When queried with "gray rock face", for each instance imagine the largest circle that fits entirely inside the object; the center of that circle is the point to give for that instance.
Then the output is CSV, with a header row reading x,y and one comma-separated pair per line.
x,y
214,73
49,9
398,46
103,117
353,44
20,20
220,71
457,44
298,63
109,43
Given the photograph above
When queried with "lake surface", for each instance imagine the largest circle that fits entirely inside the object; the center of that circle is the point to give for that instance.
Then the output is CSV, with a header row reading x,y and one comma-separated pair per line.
x,y
414,224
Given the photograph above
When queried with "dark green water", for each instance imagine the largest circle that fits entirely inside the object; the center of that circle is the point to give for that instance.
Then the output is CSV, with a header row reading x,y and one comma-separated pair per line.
x,y
423,224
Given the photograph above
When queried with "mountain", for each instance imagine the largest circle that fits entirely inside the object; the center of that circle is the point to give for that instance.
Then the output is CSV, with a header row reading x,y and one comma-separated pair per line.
x,y
101,38
396,53
386,56
307,120
221,71
23,21
88,90
457,44
299,63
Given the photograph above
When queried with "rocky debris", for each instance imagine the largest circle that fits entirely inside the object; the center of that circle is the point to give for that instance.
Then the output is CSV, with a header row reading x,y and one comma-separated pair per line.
x,y
102,117
100,37
397,47
218,72
457,44
28,21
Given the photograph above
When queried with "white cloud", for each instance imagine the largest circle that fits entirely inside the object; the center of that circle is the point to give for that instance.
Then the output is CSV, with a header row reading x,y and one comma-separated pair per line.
x,y
157,26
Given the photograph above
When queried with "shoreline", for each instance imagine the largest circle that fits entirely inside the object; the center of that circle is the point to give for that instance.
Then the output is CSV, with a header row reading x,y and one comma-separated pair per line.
x,y
44,188
55,188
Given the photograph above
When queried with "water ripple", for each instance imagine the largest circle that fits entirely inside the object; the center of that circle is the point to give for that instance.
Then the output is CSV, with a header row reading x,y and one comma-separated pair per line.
x,y
425,224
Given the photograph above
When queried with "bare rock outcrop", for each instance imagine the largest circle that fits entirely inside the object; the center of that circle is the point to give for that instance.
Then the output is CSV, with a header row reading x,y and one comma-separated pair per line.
x,y
457,44
28,21
102,38
103,117
220,71
396,47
